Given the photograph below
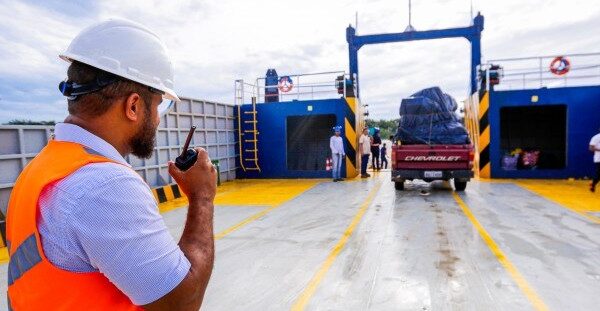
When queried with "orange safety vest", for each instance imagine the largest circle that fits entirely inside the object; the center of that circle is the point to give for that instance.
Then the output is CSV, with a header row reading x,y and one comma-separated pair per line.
x,y
34,283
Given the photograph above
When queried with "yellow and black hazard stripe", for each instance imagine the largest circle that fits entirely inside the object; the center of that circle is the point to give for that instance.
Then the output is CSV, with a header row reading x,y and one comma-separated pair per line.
x,y
350,138
166,193
484,134
3,233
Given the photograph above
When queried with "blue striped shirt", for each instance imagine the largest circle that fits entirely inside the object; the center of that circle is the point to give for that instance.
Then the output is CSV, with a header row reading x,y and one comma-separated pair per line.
x,y
104,218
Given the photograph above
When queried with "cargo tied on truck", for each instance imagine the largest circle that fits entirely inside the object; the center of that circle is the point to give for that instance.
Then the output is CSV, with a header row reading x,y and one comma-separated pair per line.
x,y
431,143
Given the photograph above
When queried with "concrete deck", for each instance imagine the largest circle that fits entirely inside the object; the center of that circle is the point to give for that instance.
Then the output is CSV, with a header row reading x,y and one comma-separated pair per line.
x,y
361,245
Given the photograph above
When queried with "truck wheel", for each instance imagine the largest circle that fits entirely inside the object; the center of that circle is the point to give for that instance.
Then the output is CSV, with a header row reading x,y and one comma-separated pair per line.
x,y
460,185
399,185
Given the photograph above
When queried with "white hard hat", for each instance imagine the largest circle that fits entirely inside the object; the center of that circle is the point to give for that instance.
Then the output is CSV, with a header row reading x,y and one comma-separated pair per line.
x,y
126,49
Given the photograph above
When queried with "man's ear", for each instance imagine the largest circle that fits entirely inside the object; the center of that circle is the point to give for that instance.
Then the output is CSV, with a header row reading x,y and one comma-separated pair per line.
x,y
133,107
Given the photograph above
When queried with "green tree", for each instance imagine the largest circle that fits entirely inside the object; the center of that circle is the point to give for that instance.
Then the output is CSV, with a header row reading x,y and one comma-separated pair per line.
x,y
29,122
387,127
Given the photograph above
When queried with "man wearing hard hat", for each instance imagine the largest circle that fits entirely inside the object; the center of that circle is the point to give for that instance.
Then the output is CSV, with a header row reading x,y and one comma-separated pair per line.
x,y
83,229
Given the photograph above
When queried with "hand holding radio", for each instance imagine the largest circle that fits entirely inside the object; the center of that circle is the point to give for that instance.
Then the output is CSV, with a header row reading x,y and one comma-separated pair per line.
x,y
188,157
194,172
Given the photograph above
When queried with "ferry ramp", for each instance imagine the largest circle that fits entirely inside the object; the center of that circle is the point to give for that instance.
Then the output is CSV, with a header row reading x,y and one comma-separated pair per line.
x,y
361,245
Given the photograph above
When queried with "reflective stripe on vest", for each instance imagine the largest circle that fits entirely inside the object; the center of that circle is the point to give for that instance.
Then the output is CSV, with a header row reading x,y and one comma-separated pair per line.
x,y
25,257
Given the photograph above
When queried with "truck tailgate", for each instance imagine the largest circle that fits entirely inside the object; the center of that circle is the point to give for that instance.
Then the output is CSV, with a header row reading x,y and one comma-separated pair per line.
x,y
436,157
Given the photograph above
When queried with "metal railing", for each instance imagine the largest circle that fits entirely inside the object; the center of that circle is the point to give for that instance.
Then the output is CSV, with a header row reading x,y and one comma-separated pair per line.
x,y
320,85
535,72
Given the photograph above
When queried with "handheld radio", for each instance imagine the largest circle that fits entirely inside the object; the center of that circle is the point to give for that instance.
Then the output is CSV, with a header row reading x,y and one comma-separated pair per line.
x,y
188,157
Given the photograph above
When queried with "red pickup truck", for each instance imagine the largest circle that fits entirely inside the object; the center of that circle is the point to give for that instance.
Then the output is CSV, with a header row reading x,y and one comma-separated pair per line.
x,y
432,162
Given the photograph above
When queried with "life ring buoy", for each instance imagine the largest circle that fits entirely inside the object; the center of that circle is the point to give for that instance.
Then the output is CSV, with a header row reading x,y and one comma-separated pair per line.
x,y
560,65
285,84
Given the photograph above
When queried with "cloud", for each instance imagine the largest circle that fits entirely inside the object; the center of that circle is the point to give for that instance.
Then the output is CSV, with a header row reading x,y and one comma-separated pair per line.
x,y
31,37
215,42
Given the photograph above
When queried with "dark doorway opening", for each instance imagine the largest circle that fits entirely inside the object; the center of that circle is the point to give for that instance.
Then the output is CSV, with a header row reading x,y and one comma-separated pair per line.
x,y
536,128
308,141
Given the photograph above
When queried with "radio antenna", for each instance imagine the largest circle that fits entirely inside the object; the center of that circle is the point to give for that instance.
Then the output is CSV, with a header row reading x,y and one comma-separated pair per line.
x,y
410,26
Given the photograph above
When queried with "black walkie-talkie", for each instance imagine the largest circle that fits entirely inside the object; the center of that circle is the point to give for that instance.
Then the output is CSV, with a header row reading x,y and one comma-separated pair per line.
x,y
188,157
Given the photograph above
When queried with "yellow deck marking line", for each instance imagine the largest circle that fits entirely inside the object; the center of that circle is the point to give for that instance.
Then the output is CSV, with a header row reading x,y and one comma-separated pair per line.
x,y
172,205
244,222
287,192
256,192
265,192
590,217
258,215
271,193
529,292
572,195
495,180
310,289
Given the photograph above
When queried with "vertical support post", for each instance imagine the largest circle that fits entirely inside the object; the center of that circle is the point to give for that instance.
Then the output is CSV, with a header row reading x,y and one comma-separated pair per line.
x,y
541,79
22,147
353,56
242,91
240,137
409,13
258,91
475,40
344,84
475,61
487,78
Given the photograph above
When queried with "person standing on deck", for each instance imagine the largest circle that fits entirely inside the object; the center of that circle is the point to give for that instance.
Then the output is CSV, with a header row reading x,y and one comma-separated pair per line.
x,y
83,229
336,143
384,156
364,147
375,144
595,148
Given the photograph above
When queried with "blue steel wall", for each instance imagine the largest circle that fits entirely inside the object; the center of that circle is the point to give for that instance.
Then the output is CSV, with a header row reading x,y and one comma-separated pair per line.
x,y
583,120
272,139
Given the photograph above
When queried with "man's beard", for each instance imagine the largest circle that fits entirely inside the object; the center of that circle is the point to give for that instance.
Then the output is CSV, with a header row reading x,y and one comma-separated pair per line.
x,y
142,144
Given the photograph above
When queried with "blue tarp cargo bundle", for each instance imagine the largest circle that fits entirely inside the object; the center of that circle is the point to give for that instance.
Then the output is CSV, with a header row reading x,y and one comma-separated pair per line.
x,y
429,117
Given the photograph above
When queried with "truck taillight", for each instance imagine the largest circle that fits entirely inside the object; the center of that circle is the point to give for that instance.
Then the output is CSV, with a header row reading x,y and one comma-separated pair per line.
x,y
471,158
393,157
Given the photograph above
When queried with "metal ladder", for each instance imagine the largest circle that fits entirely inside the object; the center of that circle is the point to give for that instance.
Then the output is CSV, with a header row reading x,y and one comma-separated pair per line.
x,y
248,138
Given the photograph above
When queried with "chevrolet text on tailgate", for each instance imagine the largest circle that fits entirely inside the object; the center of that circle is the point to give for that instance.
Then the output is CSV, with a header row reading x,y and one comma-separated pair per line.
x,y
432,158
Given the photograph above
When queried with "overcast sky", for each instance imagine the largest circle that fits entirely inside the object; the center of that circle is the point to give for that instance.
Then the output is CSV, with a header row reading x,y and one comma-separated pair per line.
x,y
215,42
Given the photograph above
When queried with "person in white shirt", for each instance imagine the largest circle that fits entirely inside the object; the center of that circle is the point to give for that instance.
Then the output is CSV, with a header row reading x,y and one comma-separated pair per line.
x,y
595,148
364,147
336,143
